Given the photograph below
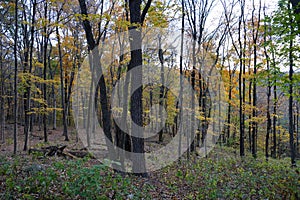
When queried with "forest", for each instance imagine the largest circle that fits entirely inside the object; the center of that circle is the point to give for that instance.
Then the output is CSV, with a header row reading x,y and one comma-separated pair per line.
x,y
149,99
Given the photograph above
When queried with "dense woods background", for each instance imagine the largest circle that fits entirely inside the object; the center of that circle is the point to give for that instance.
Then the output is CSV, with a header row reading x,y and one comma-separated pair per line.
x,y
254,45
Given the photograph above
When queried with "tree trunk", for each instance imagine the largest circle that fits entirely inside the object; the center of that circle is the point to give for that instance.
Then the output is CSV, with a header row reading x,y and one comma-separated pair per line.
x,y
62,87
106,113
26,71
273,152
45,76
297,129
269,121
250,104
16,78
181,80
241,87
229,106
254,112
291,63
55,107
28,54
269,89
162,90
136,107
2,112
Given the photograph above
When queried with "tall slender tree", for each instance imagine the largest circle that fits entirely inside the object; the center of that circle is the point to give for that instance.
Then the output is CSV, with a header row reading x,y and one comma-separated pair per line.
x,y
239,49
291,72
27,94
181,77
269,87
255,32
62,86
16,78
45,51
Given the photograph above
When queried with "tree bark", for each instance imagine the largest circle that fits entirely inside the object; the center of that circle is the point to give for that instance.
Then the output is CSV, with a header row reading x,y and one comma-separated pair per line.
x,y
16,78
136,107
106,113
162,88
291,72
28,88
2,103
45,37
269,88
241,86
180,105
62,87
254,112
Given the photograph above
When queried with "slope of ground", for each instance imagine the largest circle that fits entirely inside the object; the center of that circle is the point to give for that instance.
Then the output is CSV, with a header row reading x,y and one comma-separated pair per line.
x,y
222,175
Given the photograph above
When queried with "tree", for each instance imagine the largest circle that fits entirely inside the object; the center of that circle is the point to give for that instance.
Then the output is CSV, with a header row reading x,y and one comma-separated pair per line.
x,y
269,88
285,26
94,59
255,43
2,103
27,93
5,59
181,74
136,108
65,132
197,16
162,88
229,77
45,50
291,72
16,78
240,51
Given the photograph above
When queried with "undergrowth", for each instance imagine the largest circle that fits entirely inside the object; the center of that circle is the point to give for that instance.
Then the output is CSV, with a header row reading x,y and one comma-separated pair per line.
x,y
220,176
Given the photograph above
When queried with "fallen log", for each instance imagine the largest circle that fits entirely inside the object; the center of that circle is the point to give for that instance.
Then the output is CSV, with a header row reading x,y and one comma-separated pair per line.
x,y
60,151
80,154
54,150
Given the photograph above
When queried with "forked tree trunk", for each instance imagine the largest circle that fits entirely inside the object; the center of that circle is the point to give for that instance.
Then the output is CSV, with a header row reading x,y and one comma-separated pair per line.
x,y
106,113
136,107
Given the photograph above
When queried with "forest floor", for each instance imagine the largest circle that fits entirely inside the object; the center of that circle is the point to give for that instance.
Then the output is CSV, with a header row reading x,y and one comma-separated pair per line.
x,y
222,175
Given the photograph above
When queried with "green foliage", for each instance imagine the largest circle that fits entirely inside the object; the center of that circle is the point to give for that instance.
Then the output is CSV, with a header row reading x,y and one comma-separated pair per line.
x,y
67,179
220,176
281,31
227,177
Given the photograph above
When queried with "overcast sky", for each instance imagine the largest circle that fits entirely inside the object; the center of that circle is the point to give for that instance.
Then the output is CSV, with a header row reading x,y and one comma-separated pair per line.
x,y
218,9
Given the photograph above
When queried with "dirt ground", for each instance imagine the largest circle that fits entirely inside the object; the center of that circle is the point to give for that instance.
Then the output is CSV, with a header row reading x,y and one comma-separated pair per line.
x,y
36,139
